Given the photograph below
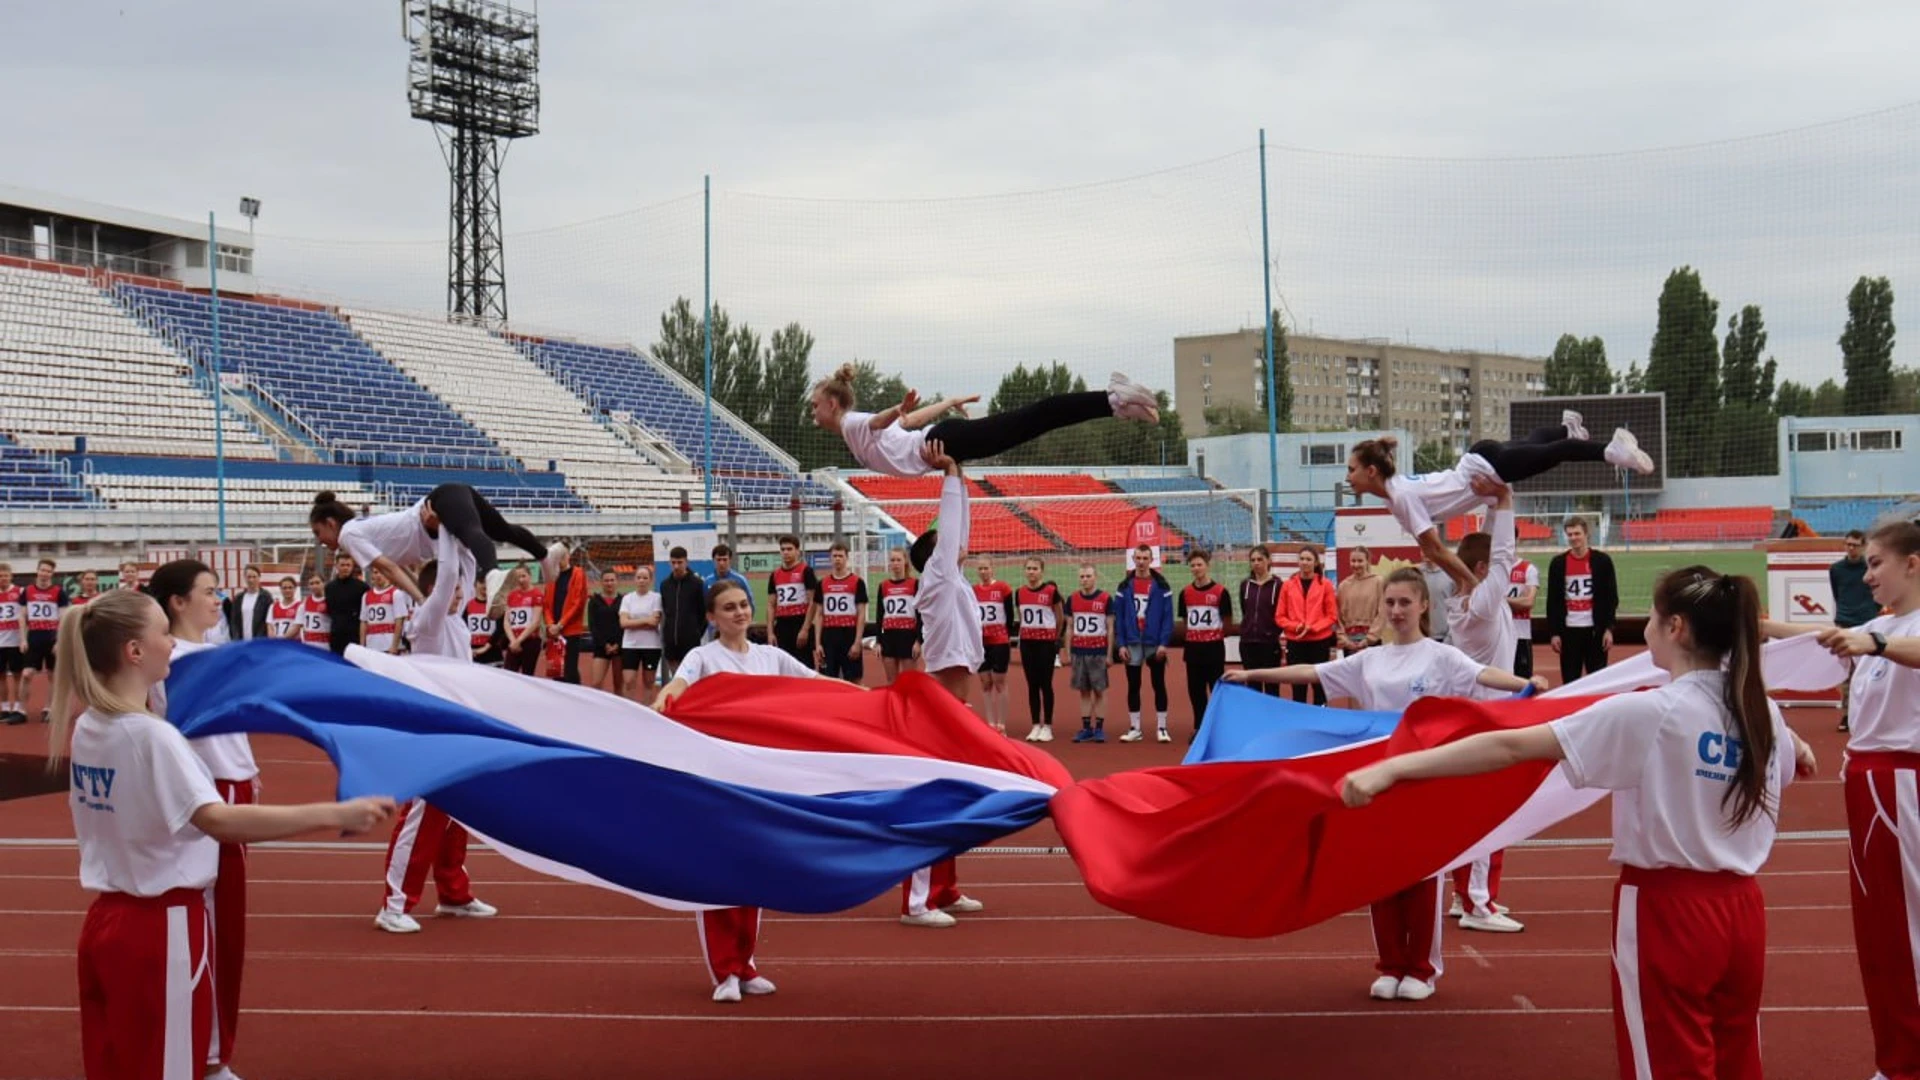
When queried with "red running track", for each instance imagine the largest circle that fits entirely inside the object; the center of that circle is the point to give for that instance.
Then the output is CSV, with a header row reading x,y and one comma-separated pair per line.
x,y
572,981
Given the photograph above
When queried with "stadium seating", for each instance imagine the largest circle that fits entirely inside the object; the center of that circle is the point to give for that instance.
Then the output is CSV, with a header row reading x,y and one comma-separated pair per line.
x,y
1834,517
30,479
170,493
915,501
314,366
627,381
1525,530
520,407
1720,524
76,365
1213,523
1096,519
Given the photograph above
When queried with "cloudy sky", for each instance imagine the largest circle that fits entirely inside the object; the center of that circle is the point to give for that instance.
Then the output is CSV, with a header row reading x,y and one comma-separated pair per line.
x,y
951,188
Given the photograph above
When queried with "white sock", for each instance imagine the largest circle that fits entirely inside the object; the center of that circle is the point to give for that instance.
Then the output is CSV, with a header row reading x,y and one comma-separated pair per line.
x,y
1133,720
1162,717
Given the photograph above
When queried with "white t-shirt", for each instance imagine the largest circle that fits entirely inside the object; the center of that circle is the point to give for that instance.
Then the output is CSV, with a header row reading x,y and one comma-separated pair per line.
x,y
438,626
714,658
248,602
1885,711
1480,623
949,613
135,787
1390,677
399,536
636,605
1524,576
893,449
1667,757
1421,499
229,757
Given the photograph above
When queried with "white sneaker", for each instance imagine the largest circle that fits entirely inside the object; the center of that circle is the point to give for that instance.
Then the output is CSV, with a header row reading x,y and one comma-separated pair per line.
x,y
1046,733
1456,909
1412,989
1494,922
396,922
1575,424
1164,736
1499,907
1624,453
472,909
225,1073
1131,401
759,986
1384,988
1132,735
1033,733
932,917
965,905
728,990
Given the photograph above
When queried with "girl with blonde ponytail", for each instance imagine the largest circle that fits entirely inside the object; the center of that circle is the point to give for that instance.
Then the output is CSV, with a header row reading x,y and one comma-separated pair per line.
x,y
894,440
1696,768
149,822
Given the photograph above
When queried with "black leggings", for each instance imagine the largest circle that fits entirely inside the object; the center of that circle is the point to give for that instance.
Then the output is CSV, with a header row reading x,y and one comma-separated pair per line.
x,y
990,436
1036,660
1158,667
1255,655
1310,652
1526,458
1206,662
471,518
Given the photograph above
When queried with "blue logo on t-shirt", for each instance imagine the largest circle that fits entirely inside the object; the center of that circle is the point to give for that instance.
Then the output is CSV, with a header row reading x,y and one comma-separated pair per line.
x,y
93,785
1719,750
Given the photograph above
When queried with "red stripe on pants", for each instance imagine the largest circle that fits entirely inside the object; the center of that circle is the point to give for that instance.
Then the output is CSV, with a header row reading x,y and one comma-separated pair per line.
x,y
728,938
1883,823
228,900
1689,958
1406,932
1463,884
146,998
425,838
930,888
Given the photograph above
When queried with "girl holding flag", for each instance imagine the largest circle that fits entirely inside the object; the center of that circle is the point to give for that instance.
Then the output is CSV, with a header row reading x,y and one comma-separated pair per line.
x,y
1406,666
730,936
1696,768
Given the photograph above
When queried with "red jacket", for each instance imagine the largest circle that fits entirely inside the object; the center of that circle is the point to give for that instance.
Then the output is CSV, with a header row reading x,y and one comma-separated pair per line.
x,y
572,619
1314,605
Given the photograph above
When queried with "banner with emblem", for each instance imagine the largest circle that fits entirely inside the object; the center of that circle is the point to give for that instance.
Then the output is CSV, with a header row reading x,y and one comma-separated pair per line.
x,y
1145,529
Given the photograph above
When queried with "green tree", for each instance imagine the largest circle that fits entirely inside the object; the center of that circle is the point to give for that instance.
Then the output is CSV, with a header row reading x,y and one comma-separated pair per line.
x,y
1107,441
1684,363
1866,347
1235,418
788,420
1631,381
1282,378
1434,455
682,345
1748,441
1829,400
1578,366
1793,399
1906,390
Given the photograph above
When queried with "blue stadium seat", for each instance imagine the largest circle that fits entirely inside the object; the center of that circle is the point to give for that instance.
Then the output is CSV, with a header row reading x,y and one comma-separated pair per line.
x,y
28,481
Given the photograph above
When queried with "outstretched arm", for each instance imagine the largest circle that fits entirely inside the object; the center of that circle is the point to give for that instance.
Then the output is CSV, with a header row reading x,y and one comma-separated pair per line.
x,y
1291,674
1484,753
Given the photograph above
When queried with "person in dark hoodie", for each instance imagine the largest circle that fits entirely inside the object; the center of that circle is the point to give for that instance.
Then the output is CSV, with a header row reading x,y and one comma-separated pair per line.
x,y
1143,627
683,611
343,595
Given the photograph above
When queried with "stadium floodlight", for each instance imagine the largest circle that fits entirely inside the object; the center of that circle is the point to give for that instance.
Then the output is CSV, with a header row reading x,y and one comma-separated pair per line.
x,y
249,209
474,75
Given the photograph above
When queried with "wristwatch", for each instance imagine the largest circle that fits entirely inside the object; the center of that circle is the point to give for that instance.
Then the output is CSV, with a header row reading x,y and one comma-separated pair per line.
x,y
1879,642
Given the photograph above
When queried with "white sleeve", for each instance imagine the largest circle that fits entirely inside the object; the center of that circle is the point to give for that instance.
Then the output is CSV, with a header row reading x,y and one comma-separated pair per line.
x,y
179,779
355,542
1345,677
955,523
1489,599
1407,508
1782,745
1463,671
1607,744
694,667
791,667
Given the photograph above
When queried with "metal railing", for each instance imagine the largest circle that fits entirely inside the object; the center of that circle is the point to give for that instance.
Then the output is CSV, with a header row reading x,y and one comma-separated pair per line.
x,y
74,256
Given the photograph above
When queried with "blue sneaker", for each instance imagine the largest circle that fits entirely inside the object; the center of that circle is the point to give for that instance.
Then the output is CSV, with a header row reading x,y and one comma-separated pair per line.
x,y
1099,735
1085,734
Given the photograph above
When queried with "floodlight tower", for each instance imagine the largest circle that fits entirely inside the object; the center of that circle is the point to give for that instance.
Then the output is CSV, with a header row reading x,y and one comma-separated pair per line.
x,y
474,75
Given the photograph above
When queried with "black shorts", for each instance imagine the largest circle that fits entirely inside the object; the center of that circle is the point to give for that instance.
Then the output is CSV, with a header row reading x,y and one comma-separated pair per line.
x,y
11,662
640,659
898,644
607,648
489,656
40,649
997,659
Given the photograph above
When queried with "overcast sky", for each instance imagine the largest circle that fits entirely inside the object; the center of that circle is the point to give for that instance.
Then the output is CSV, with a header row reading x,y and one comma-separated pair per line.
x,y
842,119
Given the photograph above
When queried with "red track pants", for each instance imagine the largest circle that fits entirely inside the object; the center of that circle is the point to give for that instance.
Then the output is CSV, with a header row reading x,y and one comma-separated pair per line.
x,y
1689,957
426,839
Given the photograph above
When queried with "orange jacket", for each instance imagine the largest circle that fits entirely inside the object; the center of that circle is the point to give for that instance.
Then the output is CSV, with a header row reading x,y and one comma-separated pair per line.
x,y
1313,605
572,620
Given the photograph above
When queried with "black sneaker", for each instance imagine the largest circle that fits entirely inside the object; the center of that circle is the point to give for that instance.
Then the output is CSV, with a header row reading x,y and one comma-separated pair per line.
x,y
12,718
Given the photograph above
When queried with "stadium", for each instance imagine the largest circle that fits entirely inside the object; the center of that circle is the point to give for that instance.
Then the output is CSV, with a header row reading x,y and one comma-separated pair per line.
x,y
181,389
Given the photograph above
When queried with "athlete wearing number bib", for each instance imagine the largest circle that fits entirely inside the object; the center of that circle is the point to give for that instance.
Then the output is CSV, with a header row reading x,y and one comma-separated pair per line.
x,y
1205,608
316,625
282,618
842,600
899,621
43,604
524,626
13,637
995,601
1039,606
380,613
790,590
481,628
1522,586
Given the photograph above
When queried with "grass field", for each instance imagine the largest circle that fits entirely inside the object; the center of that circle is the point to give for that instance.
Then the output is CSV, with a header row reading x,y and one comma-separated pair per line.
x,y
1638,569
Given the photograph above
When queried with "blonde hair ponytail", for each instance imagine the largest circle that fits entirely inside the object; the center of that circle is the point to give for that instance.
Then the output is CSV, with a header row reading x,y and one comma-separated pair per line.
x,y
88,649
838,387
